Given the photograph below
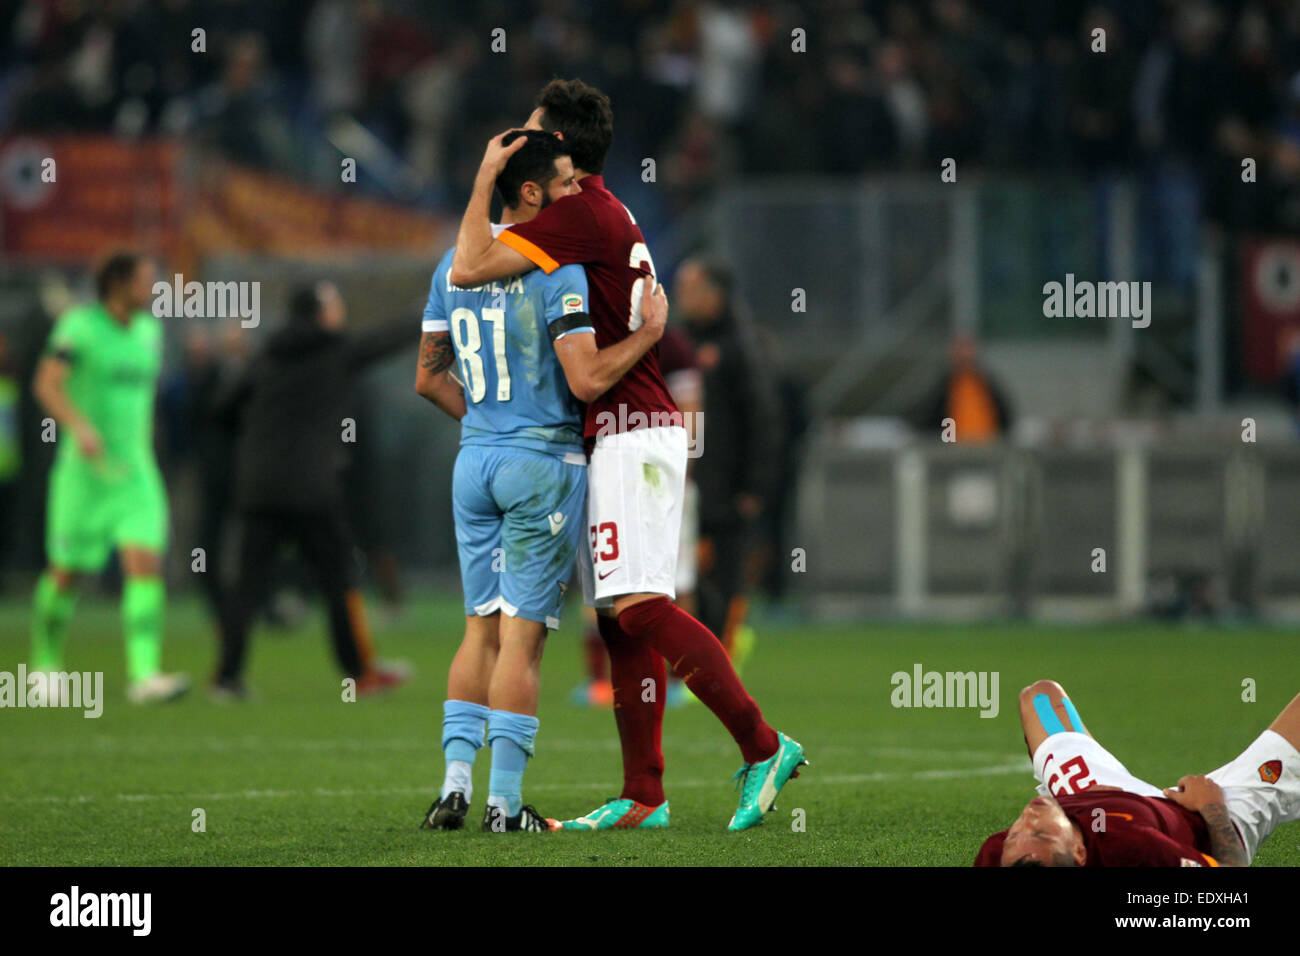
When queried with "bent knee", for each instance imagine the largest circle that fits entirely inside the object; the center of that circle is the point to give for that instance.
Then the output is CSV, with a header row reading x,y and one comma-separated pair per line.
x,y
1044,703
1051,688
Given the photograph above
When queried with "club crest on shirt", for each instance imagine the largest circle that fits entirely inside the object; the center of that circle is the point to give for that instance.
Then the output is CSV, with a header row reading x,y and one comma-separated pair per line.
x,y
571,303
1270,772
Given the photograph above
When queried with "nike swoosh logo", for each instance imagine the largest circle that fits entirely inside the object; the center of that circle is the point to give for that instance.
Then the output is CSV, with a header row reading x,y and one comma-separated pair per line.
x,y
606,574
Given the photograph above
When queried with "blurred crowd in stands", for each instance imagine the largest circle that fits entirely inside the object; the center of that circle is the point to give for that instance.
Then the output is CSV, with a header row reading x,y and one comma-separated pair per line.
x,y
1171,95
709,88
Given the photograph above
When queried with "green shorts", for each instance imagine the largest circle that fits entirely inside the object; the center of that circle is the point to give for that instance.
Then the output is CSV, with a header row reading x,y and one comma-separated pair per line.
x,y
89,514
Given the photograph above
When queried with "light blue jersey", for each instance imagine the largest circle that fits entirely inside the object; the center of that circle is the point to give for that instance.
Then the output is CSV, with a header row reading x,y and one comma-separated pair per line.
x,y
516,394
519,489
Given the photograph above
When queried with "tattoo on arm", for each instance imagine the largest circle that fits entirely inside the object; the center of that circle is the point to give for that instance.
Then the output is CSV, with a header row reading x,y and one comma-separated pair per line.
x,y
436,352
1225,845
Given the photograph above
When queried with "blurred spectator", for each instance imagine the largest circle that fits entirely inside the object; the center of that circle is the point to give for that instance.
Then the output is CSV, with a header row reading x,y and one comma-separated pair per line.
x,y
904,101
728,61
738,442
969,395
290,458
1099,88
698,163
333,42
242,114
1179,103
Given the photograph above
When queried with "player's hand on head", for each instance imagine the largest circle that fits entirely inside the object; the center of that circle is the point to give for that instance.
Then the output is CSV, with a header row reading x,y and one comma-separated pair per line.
x,y
498,154
654,305
1195,791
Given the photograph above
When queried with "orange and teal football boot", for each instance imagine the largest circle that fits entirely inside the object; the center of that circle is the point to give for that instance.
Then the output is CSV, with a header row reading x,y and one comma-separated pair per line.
x,y
621,814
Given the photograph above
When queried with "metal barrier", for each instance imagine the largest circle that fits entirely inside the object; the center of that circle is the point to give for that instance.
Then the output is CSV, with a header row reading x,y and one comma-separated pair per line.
x,y
931,529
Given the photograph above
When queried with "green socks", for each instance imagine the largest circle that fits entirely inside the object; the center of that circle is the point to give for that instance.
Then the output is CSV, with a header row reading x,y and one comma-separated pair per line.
x,y
143,600
51,611
142,621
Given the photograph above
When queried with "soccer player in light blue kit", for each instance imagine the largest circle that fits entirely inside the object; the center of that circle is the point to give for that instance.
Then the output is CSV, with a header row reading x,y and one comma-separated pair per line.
x,y
526,352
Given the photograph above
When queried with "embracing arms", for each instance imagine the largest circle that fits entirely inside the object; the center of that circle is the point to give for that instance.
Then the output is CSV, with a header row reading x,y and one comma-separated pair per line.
x,y
590,371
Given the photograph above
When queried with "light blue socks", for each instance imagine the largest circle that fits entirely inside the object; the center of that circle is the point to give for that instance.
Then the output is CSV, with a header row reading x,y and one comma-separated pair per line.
x,y
463,724
511,738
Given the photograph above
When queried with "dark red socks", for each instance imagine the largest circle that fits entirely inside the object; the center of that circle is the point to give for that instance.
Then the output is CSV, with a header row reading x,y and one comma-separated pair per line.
x,y
699,658
640,720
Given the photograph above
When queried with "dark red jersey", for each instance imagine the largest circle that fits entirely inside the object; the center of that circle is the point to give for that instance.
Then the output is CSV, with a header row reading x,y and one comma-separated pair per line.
x,y
1139,831
676,352
595,230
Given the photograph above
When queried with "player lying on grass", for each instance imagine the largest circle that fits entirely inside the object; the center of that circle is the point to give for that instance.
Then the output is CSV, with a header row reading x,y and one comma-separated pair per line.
x,y
636,475
98,379
1092,812
526,348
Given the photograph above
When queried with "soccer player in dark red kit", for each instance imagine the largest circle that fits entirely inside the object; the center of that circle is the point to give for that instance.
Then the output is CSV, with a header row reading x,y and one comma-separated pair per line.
x,y
636,475
1092,812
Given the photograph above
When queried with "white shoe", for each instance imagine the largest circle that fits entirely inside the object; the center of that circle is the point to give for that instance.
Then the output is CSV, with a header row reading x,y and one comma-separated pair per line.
x,y
158,689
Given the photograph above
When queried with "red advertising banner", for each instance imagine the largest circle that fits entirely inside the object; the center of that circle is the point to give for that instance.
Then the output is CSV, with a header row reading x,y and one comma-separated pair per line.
x,y
1270,299
240,209
69,198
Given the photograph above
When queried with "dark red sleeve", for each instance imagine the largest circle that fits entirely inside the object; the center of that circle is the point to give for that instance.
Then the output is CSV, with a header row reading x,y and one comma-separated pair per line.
x,y
676,351
563,233
990,853
1147,846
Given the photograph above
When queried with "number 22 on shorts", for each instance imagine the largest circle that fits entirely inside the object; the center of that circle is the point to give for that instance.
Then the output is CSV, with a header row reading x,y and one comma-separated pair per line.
x,y
1077,781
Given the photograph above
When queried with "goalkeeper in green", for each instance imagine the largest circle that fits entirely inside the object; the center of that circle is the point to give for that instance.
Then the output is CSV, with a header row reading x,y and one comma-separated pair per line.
x,y
97,380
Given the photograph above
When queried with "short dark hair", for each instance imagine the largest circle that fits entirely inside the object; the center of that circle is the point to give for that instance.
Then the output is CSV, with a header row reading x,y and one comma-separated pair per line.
x,y
304,303
534,162
119,267
582,115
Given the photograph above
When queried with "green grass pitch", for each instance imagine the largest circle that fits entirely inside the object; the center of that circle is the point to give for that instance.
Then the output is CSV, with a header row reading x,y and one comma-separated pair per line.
x,y
297,776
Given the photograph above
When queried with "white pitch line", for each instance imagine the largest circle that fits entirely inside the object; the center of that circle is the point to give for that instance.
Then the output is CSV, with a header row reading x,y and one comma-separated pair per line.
x,y
1020,766
249,745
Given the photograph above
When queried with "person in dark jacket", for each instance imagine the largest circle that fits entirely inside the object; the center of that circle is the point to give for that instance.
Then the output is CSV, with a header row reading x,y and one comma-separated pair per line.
x,y
737,445
294,404
966,404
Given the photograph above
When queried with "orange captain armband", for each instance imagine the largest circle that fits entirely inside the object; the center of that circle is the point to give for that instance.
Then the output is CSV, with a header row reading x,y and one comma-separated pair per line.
x,y
529,250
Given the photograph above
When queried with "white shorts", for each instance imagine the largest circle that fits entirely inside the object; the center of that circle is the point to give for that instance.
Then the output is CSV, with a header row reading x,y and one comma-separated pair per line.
x,y
1071,762
635,486
1261,787
687,559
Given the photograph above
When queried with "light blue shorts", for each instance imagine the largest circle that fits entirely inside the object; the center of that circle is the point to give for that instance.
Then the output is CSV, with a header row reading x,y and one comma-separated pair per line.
x,y
520,516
